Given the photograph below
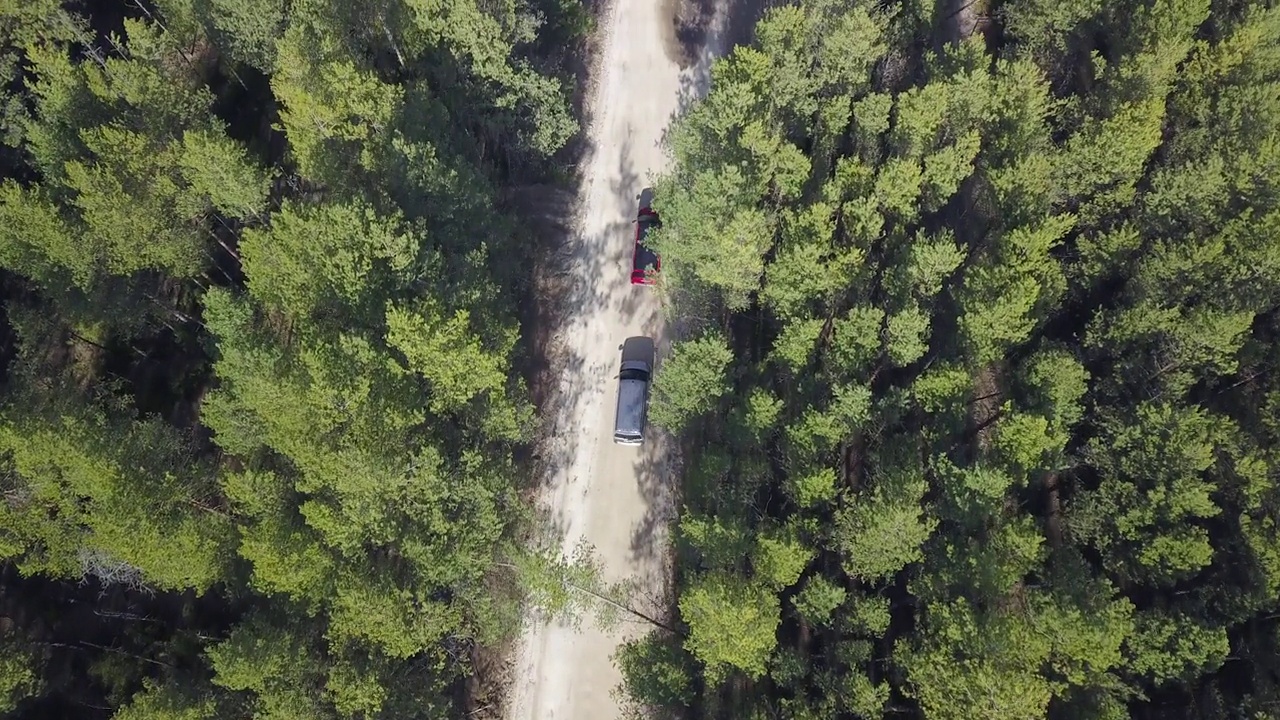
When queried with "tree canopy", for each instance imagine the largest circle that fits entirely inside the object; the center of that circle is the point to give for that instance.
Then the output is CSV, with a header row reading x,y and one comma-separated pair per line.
x,y
260,404
975,391
999,318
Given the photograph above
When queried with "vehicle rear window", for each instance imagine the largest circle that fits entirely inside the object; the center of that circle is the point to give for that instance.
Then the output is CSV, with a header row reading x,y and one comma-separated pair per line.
x,y
634,374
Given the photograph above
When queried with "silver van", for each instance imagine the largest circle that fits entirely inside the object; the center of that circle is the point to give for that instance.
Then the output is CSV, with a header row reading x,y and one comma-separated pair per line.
x,y
633,402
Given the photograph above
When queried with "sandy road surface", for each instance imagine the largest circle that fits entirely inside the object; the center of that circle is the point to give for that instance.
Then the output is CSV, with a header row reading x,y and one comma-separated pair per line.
x,y
617,498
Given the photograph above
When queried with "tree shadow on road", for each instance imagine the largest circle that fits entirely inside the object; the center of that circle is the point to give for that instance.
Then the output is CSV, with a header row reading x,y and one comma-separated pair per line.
x,y
698,29
712,36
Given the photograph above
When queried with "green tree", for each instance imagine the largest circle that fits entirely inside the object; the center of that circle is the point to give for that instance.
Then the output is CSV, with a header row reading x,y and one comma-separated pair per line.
x,y
1165,648
732,624
282,672
691,380
1003,329
781,555
168,701
656,672
126,497
1146,514
972,665
20,669
882,532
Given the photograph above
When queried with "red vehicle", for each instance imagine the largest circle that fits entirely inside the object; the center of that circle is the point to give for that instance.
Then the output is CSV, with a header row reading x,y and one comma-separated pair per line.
x,y
645,263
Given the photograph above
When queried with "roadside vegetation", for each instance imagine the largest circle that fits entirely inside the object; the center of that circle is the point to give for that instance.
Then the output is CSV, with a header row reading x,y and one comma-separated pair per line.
x,y
260,407
979,390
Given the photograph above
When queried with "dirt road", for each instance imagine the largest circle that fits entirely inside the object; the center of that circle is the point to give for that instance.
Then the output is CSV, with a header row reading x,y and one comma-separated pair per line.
x,y
618,498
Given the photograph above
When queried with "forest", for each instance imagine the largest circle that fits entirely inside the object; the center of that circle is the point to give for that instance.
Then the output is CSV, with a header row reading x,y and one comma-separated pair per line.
x,y
979,403
261,413
976,401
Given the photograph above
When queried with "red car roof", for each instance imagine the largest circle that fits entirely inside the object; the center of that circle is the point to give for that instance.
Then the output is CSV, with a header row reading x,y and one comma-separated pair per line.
x,y
644,256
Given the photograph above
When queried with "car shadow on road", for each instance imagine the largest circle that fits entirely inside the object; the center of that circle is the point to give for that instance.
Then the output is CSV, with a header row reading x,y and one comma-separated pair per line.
x,y
657,473
657,480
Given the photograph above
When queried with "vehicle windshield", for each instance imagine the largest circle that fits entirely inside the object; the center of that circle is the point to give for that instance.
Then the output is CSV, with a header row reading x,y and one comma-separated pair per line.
x,y
634,374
